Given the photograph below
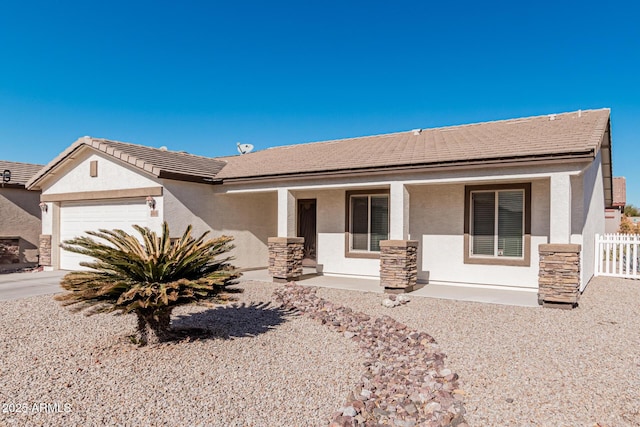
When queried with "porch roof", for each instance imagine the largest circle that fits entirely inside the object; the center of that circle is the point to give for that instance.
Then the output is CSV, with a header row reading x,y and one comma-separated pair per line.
x,y
567,135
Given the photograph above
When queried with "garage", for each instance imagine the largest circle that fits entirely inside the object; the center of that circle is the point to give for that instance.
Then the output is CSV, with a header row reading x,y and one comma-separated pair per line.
x,y
78,217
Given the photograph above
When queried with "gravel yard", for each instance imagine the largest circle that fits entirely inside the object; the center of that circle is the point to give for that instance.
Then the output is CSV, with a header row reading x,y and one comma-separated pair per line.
x,y
532,366
518,366
271,368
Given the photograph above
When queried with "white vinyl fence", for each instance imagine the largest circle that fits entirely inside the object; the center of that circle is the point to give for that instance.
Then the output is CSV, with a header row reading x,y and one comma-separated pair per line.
x,y
618,255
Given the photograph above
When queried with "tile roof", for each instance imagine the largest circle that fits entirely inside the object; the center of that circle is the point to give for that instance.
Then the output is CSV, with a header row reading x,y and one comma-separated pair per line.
x,y
20,172
619,191
551,136
557,135
158,162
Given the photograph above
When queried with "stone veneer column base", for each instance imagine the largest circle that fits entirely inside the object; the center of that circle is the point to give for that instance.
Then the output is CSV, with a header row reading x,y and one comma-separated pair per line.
x,y
45,250
559,275
285,258
398,265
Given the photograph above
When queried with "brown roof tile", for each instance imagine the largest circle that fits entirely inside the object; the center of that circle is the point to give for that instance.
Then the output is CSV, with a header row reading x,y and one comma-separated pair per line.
x,y
542,136
158,162
20,172
619,191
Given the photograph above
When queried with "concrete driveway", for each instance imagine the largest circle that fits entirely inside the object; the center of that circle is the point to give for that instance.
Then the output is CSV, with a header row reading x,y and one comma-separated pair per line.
x,y
22,285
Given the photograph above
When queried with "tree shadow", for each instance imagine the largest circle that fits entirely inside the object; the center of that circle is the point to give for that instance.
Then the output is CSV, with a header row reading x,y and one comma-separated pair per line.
x,y
231,321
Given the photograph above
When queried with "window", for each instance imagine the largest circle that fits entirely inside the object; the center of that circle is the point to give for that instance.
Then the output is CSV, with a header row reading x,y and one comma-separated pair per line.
x,y
367,222
497,224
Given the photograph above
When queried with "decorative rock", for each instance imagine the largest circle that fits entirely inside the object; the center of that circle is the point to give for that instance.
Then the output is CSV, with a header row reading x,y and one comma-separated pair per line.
x,y
349,411
404,367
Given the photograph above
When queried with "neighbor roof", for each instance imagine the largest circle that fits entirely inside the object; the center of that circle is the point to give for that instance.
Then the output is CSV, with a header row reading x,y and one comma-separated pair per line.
x,y
161,163
619,191
551,136
20,172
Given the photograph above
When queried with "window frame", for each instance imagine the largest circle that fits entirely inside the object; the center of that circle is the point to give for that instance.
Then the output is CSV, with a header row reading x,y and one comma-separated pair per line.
x,y
525,261
358,253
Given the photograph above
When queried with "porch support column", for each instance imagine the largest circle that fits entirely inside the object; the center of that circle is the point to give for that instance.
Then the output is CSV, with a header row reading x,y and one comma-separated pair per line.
x,y
398,212
398,265
559,265
559,275
286,213
560,209
286,250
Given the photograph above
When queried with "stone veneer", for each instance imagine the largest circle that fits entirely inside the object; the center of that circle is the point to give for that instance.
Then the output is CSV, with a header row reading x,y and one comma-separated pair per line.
x,y
9,250
285,258
45,250
398,265
559,276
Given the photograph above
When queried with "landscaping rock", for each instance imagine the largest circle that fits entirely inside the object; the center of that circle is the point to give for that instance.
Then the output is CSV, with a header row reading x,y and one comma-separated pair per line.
x,y
404,383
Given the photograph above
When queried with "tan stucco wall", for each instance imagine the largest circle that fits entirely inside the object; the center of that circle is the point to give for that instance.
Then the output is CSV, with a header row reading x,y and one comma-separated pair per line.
x,y
251,219
437,222
20,217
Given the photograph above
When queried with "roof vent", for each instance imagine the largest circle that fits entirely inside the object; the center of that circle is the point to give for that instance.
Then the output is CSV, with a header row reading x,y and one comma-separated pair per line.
x,y
163,148
552,117
417,131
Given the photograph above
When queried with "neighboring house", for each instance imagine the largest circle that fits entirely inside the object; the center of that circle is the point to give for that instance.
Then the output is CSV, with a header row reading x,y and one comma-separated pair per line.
x,y
19,217
613,213
479,205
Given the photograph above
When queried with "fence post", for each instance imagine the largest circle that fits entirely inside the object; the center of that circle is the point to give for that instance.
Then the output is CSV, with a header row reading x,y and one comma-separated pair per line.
x,y
597,259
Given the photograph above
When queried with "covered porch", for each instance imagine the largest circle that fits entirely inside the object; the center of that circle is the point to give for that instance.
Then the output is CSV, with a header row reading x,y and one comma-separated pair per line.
x,y
460,293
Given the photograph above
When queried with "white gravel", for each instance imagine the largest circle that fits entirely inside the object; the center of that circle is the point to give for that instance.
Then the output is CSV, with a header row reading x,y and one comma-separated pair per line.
x,y
519,366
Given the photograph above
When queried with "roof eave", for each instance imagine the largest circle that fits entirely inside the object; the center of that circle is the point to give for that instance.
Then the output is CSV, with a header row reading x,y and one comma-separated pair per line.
x,y
458,164
189,178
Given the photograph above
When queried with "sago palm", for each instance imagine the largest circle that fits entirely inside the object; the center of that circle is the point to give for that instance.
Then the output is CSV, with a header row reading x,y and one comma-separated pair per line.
x,y
149,276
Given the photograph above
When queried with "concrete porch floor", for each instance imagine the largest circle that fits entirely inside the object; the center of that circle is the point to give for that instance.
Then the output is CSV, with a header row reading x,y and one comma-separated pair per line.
x,y
443,291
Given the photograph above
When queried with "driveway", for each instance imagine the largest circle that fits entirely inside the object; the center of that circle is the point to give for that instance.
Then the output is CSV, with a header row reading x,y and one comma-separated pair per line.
x,y
22,285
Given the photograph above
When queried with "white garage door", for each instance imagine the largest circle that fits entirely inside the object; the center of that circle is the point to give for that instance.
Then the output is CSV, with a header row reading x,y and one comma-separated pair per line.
x,y
78,217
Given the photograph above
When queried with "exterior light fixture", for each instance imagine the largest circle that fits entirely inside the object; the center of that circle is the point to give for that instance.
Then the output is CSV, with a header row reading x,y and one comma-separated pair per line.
x,y
151,202
43,207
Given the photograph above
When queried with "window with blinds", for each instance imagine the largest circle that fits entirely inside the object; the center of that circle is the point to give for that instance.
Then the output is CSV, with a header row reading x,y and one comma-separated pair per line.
x,y
369,222
497,223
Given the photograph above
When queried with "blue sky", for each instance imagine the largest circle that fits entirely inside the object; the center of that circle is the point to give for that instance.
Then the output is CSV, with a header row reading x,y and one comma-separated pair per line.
x,y
202,76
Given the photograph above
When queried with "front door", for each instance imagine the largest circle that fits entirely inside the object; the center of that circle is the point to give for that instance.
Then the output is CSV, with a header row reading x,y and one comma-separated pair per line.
x,y
307,229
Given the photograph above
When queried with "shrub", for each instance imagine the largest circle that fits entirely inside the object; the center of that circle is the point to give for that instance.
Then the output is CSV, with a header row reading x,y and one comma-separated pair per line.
x,y
148,277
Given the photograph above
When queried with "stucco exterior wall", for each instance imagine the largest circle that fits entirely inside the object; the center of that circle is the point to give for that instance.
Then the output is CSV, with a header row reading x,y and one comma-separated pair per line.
x,y
112,175
437,222
330,206
593,217
251,219
20,217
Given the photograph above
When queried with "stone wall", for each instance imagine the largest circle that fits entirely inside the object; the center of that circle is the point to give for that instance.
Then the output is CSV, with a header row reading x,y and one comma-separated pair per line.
x,y
9,250
45,249
398,265
559,276
285,258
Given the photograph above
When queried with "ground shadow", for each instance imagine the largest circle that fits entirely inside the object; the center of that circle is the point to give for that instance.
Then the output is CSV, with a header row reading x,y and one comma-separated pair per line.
x,y
232,321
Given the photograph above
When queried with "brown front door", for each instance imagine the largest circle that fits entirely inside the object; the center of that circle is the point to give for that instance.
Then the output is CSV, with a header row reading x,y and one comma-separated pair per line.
x,y
307,229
